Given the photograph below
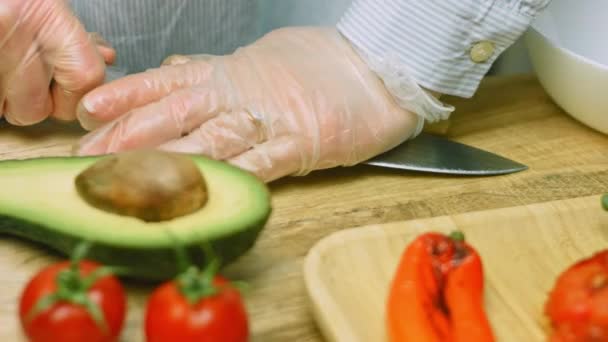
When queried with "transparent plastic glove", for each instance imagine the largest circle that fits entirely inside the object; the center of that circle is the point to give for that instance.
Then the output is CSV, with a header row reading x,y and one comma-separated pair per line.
x,y
47,61
297,100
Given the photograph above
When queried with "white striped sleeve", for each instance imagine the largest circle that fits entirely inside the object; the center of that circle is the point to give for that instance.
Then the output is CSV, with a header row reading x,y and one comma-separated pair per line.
x,y
446,45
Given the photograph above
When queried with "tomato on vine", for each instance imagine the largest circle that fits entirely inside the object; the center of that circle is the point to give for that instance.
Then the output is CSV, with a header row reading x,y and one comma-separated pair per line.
x,y
76,300
196,306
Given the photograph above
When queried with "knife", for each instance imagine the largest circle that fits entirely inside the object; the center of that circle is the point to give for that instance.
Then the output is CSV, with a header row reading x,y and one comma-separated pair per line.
x,y
431,153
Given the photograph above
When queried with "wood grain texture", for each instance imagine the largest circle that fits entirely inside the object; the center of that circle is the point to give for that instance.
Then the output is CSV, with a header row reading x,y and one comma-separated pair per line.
x,y
523,250
511,116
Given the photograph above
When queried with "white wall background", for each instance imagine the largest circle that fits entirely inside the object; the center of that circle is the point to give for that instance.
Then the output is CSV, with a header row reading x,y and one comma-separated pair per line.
x,y
277,13
513,61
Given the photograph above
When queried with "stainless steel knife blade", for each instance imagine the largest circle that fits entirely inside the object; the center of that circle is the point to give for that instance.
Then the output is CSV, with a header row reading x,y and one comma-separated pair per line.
x,y
431,153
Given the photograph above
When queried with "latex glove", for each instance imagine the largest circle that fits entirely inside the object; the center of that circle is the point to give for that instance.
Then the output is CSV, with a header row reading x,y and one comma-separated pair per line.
x,y
47,61
297,100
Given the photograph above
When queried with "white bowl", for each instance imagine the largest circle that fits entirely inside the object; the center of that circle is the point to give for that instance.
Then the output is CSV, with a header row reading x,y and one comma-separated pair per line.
x,y
568,48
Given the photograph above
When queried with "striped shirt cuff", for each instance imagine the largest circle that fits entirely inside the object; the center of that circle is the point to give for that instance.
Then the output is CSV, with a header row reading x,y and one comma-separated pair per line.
x,y
446,45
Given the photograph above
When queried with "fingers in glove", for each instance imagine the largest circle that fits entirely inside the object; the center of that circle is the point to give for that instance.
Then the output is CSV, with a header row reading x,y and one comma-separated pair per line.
x,y
114,99
2,99
78,68
183,59
14,46
176,60
222,137
2,106
108,54
151,125
28,102
271,160
105,49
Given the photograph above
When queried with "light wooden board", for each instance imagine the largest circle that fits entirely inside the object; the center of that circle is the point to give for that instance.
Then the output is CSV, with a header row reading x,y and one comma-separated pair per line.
x,y
523,249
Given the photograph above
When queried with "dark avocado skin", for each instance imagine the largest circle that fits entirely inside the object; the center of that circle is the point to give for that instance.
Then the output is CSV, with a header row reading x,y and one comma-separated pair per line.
x,y
142,264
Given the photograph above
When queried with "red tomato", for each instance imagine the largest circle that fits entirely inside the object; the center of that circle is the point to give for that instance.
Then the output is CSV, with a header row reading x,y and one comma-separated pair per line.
x,y
65,321
219,317
578,304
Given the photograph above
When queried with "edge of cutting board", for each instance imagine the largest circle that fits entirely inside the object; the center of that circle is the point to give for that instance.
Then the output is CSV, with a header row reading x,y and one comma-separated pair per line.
x,y
326,311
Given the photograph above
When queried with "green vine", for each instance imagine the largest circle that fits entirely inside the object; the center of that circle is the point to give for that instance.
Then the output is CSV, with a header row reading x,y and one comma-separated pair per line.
x,y
196,283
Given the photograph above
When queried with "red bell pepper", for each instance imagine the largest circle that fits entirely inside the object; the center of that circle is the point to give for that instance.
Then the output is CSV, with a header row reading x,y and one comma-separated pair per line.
x,y
437,293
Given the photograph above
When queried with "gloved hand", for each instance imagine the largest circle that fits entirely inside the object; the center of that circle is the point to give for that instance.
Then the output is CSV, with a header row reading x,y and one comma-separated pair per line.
x,y
47,61
297,100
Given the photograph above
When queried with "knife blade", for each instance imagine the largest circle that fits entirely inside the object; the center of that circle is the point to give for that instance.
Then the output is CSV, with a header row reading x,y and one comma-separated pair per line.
x,y
434,154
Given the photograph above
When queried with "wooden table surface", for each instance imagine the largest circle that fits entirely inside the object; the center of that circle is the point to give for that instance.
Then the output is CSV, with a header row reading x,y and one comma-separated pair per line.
x,y
511,116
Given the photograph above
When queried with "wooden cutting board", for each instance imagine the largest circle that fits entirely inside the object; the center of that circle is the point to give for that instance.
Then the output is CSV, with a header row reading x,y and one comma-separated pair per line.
x,y
511,116
523,249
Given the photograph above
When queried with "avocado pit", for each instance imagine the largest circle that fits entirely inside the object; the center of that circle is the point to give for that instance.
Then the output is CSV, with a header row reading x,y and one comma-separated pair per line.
x,y
151,185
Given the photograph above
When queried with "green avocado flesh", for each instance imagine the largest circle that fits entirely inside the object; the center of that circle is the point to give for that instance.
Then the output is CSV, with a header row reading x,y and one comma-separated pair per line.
x,y
39,202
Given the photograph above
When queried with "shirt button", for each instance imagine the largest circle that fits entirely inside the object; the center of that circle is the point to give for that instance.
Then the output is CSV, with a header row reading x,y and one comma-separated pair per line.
x,y
482,51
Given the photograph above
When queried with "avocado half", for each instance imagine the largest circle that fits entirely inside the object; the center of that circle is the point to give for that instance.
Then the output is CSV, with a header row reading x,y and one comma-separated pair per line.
x,y
39,202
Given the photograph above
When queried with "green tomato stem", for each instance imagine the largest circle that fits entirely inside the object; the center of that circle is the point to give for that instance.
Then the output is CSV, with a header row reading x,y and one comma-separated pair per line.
x,y
196,285
72,287
79,253
193,283
457,236
241,286
100,272
41,305
183,261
